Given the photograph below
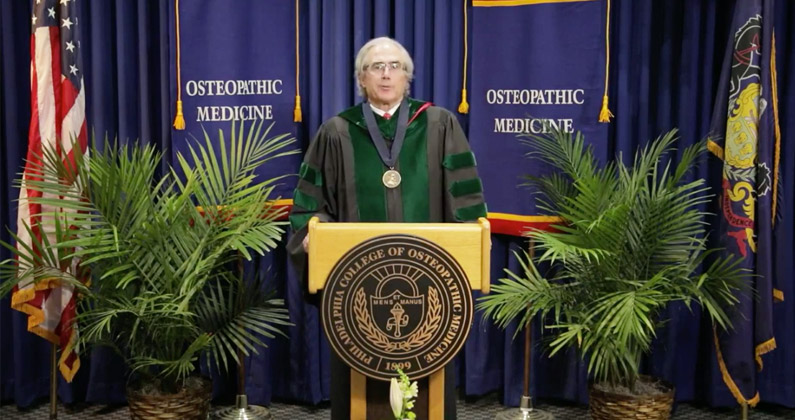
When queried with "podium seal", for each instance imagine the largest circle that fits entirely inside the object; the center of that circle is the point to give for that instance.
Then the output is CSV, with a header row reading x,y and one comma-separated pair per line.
x,y
397,302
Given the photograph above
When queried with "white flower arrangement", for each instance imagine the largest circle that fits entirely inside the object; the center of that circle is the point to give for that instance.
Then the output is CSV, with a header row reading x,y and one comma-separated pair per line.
x,y
401,397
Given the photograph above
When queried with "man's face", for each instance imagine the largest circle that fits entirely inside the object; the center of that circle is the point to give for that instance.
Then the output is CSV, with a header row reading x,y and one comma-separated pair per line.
x,y
384,78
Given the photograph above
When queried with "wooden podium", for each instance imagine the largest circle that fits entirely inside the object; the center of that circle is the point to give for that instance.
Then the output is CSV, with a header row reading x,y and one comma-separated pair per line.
x,y
398,295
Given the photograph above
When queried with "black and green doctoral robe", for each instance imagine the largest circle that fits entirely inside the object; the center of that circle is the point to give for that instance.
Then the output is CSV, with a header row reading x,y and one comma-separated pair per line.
x,y
340,181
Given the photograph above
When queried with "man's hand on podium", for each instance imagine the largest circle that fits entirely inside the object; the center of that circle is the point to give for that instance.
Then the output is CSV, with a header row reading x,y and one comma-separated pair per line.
x,y
305,243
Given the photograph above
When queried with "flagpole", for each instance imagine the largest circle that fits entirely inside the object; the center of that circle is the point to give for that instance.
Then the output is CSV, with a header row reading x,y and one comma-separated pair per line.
x,y
242,410
744,415
526,410
53,381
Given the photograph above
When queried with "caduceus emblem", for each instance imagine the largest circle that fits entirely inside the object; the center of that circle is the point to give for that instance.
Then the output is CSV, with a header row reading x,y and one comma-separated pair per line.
x,y
399,319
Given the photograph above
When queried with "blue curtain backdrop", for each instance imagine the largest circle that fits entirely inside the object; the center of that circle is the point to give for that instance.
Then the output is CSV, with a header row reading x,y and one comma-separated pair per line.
x,y
666,61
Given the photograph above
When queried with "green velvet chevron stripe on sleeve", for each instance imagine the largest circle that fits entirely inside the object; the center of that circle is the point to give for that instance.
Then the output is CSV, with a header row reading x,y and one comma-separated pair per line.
x,y
310,174
471,212
302,199
459,160
299,220
466,187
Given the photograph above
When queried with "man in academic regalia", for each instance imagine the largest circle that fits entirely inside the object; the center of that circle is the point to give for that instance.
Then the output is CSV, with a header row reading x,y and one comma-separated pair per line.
x,y
389,159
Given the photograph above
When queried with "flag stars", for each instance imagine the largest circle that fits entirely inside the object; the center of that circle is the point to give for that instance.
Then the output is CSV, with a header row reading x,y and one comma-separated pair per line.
x,y
33,20
73,69
70,46
67,23
51,12
63,2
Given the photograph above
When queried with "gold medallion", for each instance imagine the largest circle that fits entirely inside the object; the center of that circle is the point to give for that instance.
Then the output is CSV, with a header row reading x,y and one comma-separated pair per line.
x,y
391,178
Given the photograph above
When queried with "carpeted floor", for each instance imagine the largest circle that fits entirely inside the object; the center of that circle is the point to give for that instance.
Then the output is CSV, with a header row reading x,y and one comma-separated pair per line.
x,y
476,409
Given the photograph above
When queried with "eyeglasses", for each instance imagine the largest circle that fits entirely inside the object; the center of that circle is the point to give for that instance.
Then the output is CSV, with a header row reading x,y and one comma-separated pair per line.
x,y
379,67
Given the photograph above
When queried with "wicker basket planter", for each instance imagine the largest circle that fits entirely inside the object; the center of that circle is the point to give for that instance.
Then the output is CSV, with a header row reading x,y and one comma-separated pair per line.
x,y
611,406
187,404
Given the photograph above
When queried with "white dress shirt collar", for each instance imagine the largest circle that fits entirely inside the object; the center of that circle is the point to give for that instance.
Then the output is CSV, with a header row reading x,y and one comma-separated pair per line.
x,y
381,112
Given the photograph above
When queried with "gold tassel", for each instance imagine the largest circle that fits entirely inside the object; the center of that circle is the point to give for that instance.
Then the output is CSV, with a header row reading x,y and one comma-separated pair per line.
x,y
179,120
297,117
605,114
463,107
297,114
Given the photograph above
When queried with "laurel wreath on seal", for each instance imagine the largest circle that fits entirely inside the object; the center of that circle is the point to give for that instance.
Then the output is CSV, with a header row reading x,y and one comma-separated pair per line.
x,y
429,327
366,324
377,338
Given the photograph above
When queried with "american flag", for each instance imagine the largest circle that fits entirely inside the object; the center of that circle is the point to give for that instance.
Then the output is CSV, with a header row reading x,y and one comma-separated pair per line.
x,y
57,117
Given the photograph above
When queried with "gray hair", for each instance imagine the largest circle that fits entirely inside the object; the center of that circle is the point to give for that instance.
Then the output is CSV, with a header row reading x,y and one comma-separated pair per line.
x,y
361,65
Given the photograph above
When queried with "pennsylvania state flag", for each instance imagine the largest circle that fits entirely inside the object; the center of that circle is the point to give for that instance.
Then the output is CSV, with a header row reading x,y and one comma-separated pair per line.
x,y
745,137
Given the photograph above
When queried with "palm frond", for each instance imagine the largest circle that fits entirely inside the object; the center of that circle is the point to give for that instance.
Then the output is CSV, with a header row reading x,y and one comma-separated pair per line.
x,y
158,246
633,239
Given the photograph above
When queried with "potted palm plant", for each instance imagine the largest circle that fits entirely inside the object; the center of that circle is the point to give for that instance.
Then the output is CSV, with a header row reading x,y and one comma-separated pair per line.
x,y
161,253
631,240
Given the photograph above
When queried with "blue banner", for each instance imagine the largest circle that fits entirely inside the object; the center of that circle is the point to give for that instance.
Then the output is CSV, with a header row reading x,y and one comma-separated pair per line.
x,y
236,62
744,136
534,63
